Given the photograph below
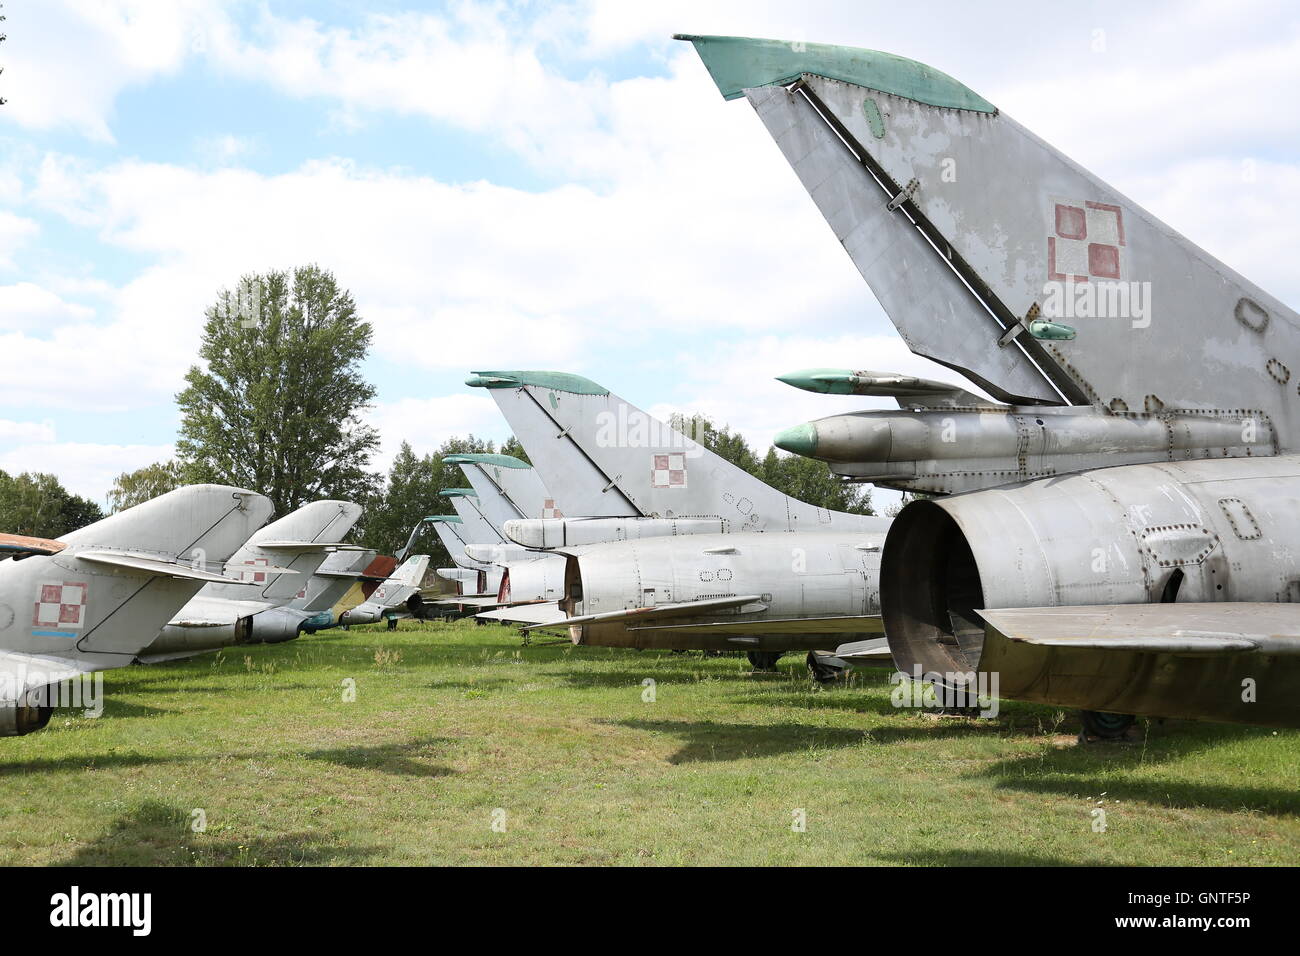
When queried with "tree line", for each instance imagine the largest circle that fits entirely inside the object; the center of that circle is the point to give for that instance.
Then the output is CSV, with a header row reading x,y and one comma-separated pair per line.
x,y
276,404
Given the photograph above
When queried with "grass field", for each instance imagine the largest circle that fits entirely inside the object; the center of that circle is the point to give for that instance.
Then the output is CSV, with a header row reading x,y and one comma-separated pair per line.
x,y
455,727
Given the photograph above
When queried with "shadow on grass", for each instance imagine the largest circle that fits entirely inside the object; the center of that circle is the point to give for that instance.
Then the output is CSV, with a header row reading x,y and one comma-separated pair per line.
x,y
707,741
409,758
663,670
1085,771
999,858
157,834
85,762
481,683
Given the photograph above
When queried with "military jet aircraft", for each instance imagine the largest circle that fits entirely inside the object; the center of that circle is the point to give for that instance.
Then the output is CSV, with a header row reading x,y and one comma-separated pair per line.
x,y
93,599
683,549
1120,530
508,489
277,561
394,597
358,590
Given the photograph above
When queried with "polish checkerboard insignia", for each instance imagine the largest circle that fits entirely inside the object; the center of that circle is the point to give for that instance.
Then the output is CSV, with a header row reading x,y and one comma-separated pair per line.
x,y
668,471
61,606
549,510
251,576
1086,242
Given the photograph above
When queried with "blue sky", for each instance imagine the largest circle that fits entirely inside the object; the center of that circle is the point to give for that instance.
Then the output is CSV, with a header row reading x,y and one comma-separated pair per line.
x,y
539,186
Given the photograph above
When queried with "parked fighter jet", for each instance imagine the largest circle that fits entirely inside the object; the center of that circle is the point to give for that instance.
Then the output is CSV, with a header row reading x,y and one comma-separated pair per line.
x,y
1145,448
359,589
474,579
394,596
507,490
94,598
277,561
686,550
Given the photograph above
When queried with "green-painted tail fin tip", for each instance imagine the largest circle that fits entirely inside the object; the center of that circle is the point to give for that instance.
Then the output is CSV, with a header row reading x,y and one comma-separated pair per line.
x,y
741,63
458,493
555,381
502,461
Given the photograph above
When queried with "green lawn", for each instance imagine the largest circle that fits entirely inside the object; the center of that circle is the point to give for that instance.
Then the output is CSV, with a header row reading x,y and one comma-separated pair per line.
x,y
453,723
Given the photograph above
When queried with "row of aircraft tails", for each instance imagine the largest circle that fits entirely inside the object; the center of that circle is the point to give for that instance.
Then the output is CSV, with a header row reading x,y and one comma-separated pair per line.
x,y
1115,530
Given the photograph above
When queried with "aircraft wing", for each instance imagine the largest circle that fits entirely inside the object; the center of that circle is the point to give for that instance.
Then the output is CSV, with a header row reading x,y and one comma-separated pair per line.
x,y
1182,629
152,565
660,611
808,625
543,612
20,673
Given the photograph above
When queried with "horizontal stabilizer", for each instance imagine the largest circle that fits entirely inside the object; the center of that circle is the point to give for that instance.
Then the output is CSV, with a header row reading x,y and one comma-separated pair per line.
x,y
20,673
657,611
17,545
1183,629
305,546
542,612
875,650
152,565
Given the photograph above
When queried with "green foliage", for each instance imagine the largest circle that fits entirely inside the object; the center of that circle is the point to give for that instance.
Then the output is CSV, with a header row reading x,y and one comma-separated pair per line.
x,y
34,503
276,404
806,479
144,484
411,493
512,446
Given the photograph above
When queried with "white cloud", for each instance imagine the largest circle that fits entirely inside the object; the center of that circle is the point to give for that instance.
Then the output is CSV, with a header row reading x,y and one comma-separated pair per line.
x,y
26,305
14,232
426,423
67,61
84,468
11,431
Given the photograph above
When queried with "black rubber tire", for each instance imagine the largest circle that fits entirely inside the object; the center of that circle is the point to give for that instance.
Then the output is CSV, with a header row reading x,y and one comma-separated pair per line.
x,y
763,660
1106,726
820,672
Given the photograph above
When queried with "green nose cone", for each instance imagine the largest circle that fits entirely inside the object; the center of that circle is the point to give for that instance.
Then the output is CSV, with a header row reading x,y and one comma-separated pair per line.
x,y
801,440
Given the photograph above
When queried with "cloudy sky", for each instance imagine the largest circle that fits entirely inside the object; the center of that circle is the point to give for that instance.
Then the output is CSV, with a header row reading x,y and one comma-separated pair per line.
x,y
540,185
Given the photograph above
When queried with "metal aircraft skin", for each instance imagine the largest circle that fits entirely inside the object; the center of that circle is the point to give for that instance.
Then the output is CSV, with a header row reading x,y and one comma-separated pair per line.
x,y
372,576
95,601
709,526
1122,527
394,595
473,578
509,490
277,561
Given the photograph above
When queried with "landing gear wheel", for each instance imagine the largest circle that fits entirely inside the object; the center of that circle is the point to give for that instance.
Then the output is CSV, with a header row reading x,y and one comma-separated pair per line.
x,y
392,623
1104,726
821,672
763,660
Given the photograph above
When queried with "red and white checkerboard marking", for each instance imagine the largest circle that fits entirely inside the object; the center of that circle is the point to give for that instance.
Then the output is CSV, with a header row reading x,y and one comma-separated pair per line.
x,y
256,577
549,510
61,606
668,471
1085,242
